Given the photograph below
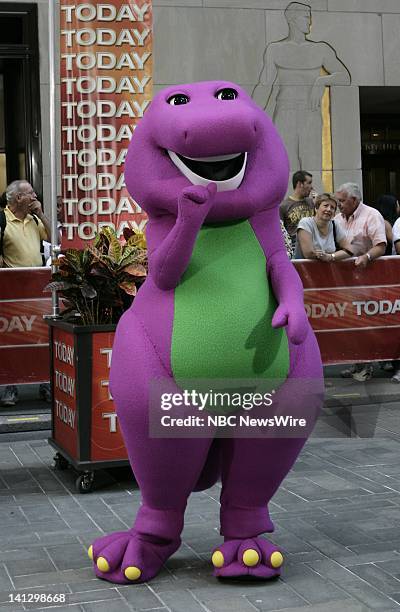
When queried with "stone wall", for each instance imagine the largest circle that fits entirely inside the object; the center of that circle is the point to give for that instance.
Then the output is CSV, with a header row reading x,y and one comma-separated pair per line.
x,y
226,39
212,39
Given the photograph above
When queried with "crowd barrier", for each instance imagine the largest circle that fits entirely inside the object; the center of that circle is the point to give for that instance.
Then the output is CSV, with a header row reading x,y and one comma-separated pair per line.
x,y
354,312
24,335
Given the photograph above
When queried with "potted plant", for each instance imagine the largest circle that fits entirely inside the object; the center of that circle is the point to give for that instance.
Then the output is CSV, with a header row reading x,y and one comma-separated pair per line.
x,y
96,284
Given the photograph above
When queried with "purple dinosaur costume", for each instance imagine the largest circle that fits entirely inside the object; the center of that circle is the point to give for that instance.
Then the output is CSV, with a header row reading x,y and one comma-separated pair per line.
x,y
209,168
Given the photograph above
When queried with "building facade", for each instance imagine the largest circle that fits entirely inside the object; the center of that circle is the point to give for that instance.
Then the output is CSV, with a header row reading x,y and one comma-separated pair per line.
x,y
351,47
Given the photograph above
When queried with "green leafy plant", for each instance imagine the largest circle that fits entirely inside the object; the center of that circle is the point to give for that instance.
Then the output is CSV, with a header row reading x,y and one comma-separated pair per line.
x,y
99,282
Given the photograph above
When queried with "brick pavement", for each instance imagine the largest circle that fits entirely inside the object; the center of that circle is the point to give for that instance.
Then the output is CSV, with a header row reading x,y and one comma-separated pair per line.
x,y
337,519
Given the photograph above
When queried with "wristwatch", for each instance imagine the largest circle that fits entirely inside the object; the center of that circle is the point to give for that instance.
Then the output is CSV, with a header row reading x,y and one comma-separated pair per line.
x,y
369,256
333,257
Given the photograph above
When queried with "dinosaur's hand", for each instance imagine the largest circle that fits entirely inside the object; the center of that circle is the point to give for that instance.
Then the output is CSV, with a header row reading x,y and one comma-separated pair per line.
x,y
296,321
197,200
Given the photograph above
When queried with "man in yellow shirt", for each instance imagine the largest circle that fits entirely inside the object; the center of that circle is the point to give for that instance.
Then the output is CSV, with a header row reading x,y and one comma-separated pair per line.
x,y
23,233
21,247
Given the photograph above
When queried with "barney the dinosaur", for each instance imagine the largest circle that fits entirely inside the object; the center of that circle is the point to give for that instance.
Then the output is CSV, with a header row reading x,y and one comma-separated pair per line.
x,y
221,300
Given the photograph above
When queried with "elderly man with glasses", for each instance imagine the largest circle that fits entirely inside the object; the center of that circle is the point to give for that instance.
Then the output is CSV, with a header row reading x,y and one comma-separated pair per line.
x,y
23,227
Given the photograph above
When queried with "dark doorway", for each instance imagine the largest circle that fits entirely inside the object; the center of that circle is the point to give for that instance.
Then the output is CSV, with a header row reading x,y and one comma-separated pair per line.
x,y
20,141
380,141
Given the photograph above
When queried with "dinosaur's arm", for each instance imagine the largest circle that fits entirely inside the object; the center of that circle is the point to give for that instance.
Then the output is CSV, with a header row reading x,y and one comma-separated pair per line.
x,y
169,260
285,281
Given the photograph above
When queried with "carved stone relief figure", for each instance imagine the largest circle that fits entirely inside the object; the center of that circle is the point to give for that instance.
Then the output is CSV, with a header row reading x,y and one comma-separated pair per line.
x,y
292,81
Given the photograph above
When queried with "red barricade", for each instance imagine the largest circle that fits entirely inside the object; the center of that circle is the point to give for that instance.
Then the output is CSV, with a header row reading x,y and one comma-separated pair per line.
x,y
24,335
354,312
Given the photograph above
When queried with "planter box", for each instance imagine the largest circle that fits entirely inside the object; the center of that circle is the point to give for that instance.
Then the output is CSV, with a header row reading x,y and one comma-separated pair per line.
x,y
85,429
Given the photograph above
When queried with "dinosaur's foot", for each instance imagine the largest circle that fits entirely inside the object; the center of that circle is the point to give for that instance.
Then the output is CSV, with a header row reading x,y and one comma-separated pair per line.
x,y
254,557
129,557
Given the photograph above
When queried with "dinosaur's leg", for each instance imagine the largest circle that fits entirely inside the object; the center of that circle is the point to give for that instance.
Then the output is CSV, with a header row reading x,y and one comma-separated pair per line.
x,y
211,471
252,471
166,469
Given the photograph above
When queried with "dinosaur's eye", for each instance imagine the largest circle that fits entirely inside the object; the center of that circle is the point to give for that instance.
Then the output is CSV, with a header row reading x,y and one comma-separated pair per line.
x,y
178,99
226,94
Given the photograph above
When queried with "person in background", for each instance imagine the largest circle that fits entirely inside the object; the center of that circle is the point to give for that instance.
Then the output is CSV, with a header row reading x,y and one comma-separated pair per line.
x,y
26,226
288,242
46,244
313,195
396,237
3,200
364,229
389,208
299,204
318,237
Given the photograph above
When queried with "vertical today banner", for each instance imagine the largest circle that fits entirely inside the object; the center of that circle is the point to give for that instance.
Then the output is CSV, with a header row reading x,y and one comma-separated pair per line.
x,y
106,86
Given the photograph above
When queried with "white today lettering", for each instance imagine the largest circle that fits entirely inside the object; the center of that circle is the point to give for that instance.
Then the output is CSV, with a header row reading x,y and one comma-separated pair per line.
x,y
374,307
65,414
112,420
88,230
64,383
108,353
94,157
105,12
105,383
103,84
105,61
100,36
64,352
101,206
332,309
105,108
16,323
90,182
101,133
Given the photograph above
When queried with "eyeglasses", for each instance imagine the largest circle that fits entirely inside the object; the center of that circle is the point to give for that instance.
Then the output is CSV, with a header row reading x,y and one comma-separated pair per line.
x,y
24,193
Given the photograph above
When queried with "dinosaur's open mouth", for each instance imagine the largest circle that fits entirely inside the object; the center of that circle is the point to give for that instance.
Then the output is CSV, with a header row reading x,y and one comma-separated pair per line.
x,y
226,171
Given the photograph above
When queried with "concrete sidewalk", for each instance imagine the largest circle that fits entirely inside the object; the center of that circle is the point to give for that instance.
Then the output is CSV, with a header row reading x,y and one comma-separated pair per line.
x,y
337,520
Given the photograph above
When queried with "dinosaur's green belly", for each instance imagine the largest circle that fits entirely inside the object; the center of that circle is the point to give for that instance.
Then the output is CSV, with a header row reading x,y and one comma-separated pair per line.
x,y
223,310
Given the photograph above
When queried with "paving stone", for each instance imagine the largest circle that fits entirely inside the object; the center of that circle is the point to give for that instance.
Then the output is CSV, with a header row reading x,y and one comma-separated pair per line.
x,y
391,566
393,545
229,604
310,585
42,511
346,535
13,608
352,584
46,579
392,558
140,597
5,580
103,594
380,580
183,601
276,596
116,605
24,567
93,584
346,605
75,608
68,556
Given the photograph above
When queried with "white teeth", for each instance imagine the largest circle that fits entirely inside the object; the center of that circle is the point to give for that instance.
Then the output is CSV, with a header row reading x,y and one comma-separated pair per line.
x,y
196,179
216,158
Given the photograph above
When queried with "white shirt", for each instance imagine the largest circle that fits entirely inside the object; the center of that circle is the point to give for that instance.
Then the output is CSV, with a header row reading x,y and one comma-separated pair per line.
x,y
396,231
